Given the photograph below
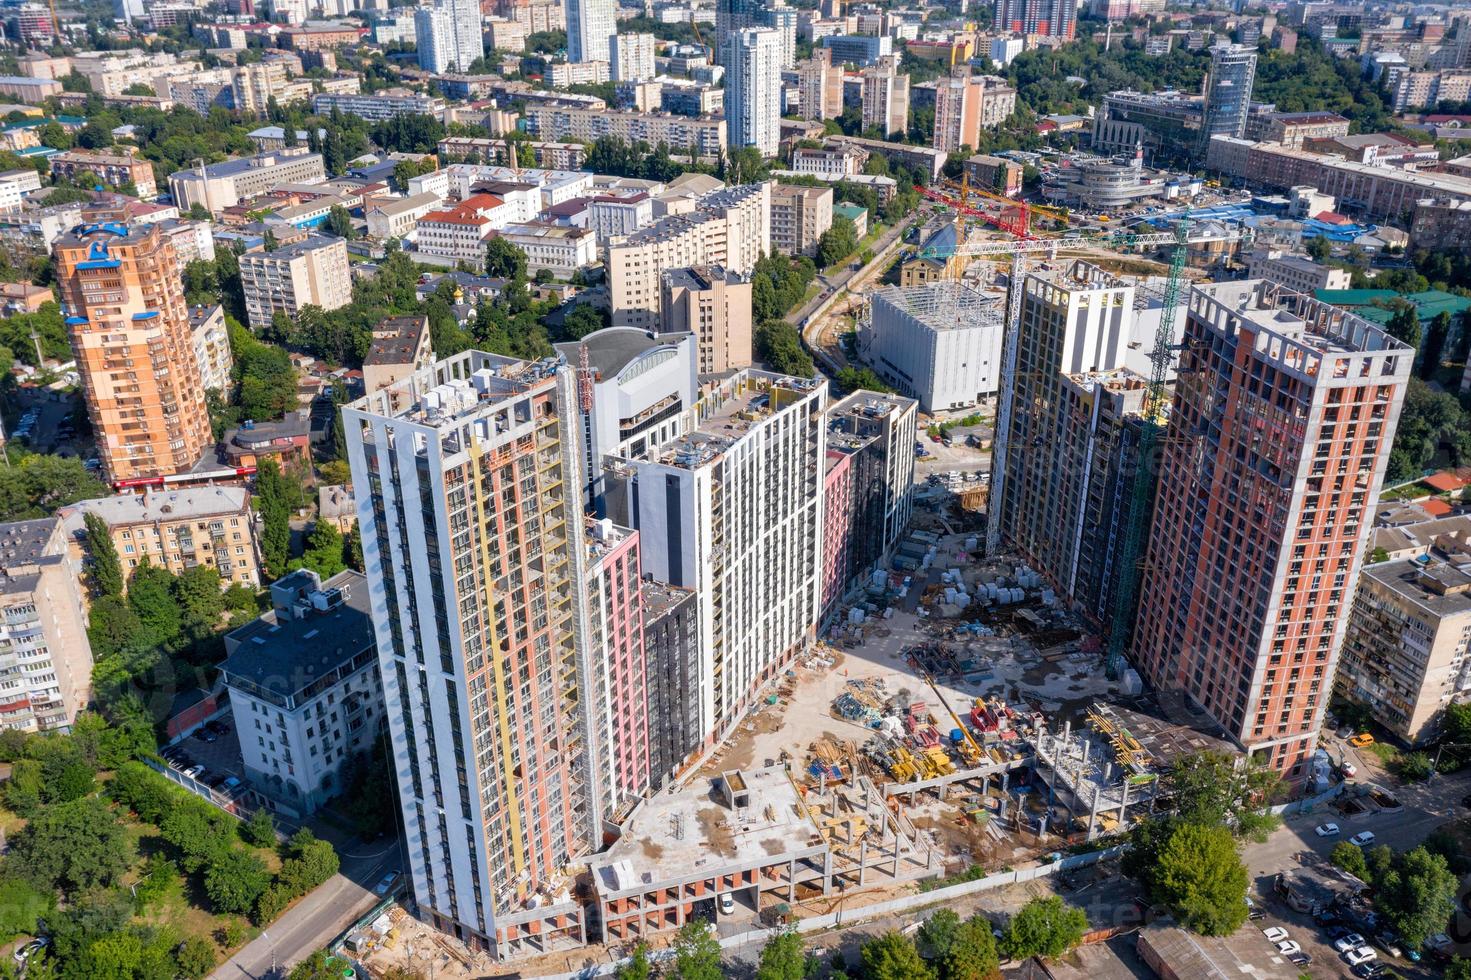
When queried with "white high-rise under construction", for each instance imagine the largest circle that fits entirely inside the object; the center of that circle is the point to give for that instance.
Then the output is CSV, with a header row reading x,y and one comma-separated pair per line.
x,y
449,35
753,89
590,29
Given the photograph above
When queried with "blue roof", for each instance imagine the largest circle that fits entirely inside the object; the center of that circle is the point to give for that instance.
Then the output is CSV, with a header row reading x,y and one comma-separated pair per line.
x,y
145,315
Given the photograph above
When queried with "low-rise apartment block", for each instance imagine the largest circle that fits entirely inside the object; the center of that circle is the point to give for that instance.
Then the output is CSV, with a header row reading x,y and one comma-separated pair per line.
x,y
799,217
548,155
311,272
178,529
1405,652
829,162
561,74
562,123
113,169
1440,223
558,249
303,681
399,218
45,659
1297,272
378,106
217,186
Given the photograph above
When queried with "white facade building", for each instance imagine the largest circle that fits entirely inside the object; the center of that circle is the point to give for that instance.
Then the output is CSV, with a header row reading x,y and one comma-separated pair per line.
x,y
557,248
448,35
614,217
590,28
211,347
753,90
939,343
633,57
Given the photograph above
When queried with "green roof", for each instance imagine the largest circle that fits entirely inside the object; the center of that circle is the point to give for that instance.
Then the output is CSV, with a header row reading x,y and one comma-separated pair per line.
x,y
849,211
1353,297
1428,305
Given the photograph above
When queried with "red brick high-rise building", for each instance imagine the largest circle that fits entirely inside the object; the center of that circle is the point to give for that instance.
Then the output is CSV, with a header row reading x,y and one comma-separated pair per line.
x,y
1283,416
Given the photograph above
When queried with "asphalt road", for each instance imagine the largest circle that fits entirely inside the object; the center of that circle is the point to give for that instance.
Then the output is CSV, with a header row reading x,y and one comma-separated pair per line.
x,y
317,919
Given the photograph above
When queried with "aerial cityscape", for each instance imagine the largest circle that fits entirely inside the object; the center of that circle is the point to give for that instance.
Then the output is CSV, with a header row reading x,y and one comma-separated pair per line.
x,y
772,489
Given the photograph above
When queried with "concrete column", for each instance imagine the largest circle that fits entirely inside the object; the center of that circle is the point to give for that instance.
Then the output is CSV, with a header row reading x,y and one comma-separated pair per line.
x,y
792,881
827,871
1093,813
862,862
1124,804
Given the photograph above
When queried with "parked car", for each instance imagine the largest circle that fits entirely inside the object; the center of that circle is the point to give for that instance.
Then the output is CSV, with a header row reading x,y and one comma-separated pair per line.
x,y
1275,934
1363,839
1368,970
1289,947
1361,740
195,771
1361,955
1350,941
1349,770
1326,830
30,948
1299,959
205,735
230,784
218,727
727,903
385,883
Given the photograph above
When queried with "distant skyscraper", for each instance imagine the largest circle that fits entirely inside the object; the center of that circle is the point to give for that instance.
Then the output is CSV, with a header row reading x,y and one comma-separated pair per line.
x,y
632,57
449,36
1050,18
129,329
1227,92
1284,412
590,28
753,90
732,16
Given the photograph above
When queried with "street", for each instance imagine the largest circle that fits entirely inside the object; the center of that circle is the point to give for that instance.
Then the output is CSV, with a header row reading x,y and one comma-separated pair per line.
x,y
317,919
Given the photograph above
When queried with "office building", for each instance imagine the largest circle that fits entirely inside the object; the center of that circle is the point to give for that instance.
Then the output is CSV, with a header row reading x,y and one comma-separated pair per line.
x,y
123,295
733,510
448,36
1049,18
799,217
401,346
559,249
590,28
1262,514
116,170
632,57
179,529
211,347
672,655
564,123
610,216
729,228
885,97
482,645
938,343
639,394
714,305
1228,86
45,659
820,86
304,686
1405,651
217,186
753,90
311,272
868,486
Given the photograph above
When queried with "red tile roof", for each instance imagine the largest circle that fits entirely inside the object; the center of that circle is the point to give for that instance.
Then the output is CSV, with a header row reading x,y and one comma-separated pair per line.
x,y
1445,481
1436,507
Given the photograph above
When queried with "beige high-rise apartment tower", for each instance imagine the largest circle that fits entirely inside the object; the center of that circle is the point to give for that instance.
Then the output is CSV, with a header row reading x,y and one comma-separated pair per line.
x,y
820,86
123,294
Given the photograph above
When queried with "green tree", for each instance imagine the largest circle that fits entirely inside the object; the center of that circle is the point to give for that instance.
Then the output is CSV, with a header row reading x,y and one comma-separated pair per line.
x,y
319,966
73,846
271,500
260,829
21,904
1200,877
505,260
1319,248
972,955
1350,857
235,880
854,379
1417,895
779,345
782,958
195,957
1458,968
151,596
323,553
1044,927
892,956
1219,788
1434,346
837,243
582,320
696,953
339,223
1404,324
938,933
104,566
637,967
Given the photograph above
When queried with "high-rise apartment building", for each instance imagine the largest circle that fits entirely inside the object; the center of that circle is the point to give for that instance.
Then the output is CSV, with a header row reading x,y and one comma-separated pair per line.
x,y
45,659
1284,409
1228,86
714,305
122,291
753,90
820,86
473,541
311,272
733,510
1073,320
632,57
782,19
1405,656
732,16
885,96
800,216
672,653
448,36
590,28
967,104
1049,18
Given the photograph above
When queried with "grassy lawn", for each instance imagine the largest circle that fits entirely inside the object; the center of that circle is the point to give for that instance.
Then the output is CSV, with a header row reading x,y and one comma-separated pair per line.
x,y
1409,491
1386,754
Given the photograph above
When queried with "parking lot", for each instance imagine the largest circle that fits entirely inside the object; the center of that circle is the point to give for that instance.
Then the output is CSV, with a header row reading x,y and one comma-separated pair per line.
x,y
220,757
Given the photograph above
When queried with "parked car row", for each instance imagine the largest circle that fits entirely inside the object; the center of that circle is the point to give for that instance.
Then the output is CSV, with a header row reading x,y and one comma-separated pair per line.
x,y
1286,945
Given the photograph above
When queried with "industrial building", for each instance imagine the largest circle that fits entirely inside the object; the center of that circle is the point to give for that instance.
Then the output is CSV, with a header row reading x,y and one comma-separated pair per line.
x,y
1245,597
938,343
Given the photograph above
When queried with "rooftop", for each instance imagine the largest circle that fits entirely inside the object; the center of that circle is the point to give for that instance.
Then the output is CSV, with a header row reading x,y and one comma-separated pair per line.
x,y
24,542
1438,582
660,598
396,340
743,402
310,243
232,168
285,654
611,349
944,305
695,831
175,505
263,436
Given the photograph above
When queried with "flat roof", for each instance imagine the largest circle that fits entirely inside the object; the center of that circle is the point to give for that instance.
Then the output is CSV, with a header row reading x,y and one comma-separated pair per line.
x,y
24,542
396,339
693,832
1433,583
174,505
285,655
